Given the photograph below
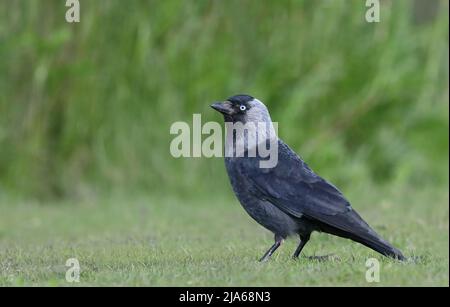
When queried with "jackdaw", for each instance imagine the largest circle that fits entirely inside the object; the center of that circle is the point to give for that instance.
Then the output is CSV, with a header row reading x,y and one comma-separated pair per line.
x,y
288,198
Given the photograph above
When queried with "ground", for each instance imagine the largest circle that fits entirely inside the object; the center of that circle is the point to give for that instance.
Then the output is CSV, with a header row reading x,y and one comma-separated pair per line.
x,y
182,241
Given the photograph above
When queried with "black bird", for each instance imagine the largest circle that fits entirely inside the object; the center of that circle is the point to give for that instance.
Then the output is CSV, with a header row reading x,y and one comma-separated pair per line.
x,y
289,198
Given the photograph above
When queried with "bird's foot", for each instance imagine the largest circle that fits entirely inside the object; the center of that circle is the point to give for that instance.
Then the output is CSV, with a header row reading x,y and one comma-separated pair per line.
x,y
264,259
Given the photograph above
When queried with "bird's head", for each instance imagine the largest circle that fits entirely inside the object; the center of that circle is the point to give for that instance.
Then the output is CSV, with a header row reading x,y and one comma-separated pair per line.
x,y
249,129
244,109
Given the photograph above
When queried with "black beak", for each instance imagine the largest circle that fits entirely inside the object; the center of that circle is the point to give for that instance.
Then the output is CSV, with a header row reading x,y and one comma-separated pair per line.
x,y
223,107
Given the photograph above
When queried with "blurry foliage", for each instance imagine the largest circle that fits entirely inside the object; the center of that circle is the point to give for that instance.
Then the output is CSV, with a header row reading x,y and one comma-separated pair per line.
x,y
87,107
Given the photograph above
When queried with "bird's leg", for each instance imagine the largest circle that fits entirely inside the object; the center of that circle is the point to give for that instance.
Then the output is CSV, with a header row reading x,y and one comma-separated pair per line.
x,y
278,241
303,241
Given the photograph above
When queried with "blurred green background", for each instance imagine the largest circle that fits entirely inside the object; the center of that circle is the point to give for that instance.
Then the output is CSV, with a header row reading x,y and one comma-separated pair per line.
x,y
85,108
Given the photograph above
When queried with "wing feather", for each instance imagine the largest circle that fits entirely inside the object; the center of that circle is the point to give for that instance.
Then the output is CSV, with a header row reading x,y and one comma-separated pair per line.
x,y
295,189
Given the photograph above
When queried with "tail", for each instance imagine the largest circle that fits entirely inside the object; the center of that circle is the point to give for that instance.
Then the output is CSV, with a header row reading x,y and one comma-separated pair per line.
x,y
368,237
379,245
352,226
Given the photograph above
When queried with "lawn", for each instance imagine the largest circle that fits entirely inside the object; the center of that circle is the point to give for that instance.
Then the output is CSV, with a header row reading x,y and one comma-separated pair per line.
x,y
210,241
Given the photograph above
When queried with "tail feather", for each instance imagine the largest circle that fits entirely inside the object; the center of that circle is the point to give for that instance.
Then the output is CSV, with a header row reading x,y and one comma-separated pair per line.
x,y
379,245
355,228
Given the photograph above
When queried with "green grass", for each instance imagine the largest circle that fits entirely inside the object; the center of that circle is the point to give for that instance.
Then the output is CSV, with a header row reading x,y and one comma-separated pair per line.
x,y
166,241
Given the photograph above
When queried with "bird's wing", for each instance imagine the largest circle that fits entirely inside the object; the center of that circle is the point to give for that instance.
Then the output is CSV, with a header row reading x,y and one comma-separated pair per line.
x,y
295,189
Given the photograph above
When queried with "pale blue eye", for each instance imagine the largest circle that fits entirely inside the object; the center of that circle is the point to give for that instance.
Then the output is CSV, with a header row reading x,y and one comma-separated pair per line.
x,y
242,108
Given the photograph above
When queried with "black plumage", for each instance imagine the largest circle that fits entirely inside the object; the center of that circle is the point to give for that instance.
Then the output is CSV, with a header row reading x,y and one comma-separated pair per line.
x,y
290,199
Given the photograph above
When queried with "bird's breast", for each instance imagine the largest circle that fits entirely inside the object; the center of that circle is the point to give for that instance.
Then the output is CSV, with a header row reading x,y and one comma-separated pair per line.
x,y
254,203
